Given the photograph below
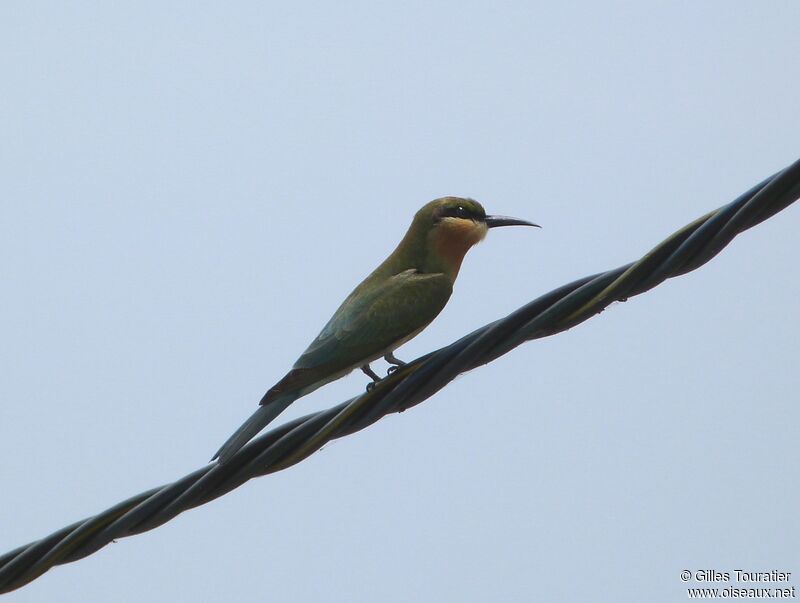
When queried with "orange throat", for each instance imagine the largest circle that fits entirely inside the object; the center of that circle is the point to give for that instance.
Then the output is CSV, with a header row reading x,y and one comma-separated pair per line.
x,y
453,237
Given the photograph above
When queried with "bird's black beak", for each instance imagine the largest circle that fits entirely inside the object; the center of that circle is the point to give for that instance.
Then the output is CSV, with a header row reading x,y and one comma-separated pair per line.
x,y
495,221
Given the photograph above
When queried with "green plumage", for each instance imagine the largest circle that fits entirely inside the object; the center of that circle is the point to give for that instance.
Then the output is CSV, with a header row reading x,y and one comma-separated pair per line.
x,y
376,318
392,305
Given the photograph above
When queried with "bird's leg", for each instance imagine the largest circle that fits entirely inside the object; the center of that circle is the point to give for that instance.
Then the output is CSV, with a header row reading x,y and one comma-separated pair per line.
x,y
395,362
372,375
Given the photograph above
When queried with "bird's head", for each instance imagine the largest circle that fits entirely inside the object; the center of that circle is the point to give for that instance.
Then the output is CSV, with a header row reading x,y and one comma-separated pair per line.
x,y
451,225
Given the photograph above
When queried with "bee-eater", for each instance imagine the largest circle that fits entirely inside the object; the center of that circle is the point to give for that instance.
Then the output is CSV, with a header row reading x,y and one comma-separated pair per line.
x,y
392,305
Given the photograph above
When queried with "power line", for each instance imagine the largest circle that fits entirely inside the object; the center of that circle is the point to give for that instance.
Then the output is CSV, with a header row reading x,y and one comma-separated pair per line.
x,y
290,443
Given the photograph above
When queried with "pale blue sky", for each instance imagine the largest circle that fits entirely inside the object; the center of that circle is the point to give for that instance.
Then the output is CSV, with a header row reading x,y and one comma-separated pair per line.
x,y
189,189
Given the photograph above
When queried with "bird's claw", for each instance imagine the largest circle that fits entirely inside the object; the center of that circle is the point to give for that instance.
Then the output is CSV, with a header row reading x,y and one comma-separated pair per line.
x,y
392,369
371,385
371,374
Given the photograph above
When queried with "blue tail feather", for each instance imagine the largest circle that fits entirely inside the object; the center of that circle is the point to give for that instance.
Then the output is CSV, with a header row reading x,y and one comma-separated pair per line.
x,y
257,421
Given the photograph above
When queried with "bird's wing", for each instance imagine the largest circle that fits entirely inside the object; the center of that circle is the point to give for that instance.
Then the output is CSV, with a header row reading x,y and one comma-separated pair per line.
x,y
369,322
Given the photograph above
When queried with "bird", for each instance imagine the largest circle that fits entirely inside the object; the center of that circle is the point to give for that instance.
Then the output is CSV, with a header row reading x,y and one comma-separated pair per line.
x,y
392,305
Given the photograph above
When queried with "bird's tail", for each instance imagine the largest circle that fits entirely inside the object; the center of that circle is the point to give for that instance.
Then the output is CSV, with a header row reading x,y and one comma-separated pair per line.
x,y
257,421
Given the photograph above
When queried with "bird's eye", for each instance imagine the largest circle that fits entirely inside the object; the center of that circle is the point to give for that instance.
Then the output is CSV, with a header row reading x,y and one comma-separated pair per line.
x,y
457,211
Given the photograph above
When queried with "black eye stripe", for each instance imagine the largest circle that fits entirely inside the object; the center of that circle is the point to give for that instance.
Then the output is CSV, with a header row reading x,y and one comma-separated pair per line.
x,y
459,211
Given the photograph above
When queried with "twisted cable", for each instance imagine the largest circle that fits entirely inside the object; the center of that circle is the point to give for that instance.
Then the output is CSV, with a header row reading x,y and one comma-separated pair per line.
x,y
281,447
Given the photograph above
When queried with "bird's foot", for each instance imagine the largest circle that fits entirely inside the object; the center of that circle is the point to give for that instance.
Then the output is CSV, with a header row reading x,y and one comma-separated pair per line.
x,y
372,375
392,360
395,362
